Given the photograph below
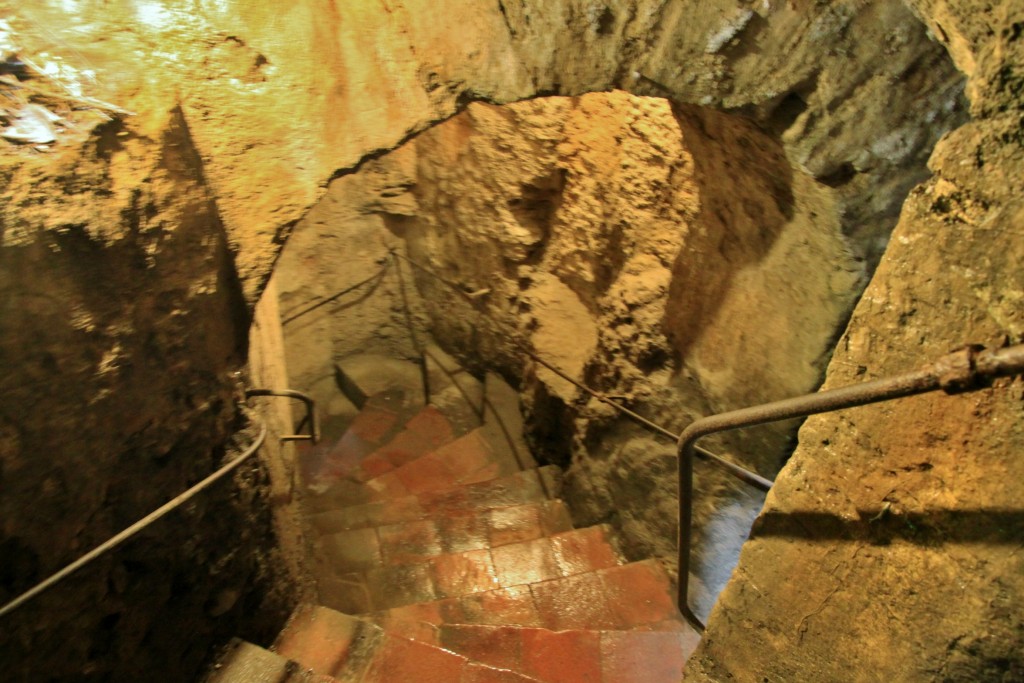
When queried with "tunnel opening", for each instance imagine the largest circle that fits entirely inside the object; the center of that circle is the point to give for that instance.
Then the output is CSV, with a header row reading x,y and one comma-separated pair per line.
x,y
659,332
673,256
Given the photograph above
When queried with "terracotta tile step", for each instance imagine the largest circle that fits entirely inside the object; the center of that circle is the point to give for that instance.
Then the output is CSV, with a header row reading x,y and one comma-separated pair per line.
x,y
452,575
577,656
466,460
346,648
515,489
424,432
383,416
633,596
320,466
417,540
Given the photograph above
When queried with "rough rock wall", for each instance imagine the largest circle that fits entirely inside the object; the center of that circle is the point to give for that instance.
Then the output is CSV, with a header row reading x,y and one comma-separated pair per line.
x,y
122,320
278,100
899,521
671,257
337,298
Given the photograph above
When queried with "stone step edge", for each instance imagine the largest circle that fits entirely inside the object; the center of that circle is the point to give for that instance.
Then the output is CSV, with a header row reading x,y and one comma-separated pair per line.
x,y
381,617
376,633
244,662
549,476
610,538
560,503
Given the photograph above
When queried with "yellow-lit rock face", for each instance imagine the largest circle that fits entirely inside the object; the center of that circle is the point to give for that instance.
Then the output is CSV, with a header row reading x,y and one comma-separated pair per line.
x,y
280,99
132,248
671,256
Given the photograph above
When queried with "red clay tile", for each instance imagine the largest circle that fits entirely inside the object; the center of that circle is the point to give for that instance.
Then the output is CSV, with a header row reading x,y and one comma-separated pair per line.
x,y
516,489
478,673
322,465
639,592
351,550
425,432
401,659
467,454
373,466
410,541
584,550
514,605
427,612
632,657
486,473
400,584
384,487
515,524
463,573
523,563
422,631
373,424
575,602
562,656
497,646
428,473
463,532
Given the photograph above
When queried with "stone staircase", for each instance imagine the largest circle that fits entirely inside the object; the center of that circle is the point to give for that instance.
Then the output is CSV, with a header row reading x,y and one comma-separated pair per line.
x,y
439,559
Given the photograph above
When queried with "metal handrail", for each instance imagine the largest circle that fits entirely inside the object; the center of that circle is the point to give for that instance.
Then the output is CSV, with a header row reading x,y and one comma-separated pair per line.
x,y
138,526
417,346
314,425
481,412
965,370
310,307
968,369
741,473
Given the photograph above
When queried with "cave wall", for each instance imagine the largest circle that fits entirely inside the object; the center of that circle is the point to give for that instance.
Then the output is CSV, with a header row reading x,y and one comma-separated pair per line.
x,y
339,292
899,518
692,268
122,323
277,101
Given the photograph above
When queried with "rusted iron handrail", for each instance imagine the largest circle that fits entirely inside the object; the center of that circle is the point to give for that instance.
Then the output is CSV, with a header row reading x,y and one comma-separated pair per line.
x,y
417,345
481,412
314,426
138,526
965,370
744,475
292,317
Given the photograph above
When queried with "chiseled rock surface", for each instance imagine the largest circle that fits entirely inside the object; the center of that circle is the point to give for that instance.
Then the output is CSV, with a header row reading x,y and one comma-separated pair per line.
x,y
886,549
593,226
248,109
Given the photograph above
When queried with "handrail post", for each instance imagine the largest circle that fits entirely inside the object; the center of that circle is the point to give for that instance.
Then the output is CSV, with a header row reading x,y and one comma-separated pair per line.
x,y
967,369
310,403
417,346
684,532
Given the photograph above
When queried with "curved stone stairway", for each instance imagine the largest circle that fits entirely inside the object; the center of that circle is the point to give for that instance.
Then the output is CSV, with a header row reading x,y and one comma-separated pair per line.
x,y
442,560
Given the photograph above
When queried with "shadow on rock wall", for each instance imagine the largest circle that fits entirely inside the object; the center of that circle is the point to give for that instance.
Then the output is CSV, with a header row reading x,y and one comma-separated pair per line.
x,y
121,321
